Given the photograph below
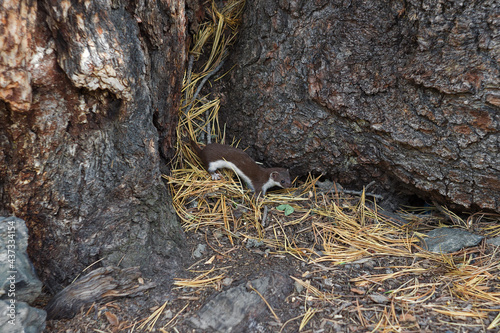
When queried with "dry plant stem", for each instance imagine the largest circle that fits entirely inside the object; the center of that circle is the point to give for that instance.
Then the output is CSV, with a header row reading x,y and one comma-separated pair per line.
x,y
85,269
290,320
369,185
268,305
202,83
307,316
337,224
189,72
264,216
447,214
360,193
209,128
495,323
177,315
153,318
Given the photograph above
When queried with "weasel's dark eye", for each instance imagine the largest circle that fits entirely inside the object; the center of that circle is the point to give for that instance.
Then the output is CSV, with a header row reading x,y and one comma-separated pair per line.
x,y
282,182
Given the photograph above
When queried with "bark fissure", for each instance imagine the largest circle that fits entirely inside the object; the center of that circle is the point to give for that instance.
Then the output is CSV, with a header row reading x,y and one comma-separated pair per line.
x,y
83,158
415,80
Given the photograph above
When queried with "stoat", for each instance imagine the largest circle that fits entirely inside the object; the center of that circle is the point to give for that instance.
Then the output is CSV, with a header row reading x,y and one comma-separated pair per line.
x,y
217,156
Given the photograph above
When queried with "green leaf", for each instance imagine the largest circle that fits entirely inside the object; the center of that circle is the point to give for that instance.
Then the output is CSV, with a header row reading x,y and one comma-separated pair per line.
x,y
286,208
289,210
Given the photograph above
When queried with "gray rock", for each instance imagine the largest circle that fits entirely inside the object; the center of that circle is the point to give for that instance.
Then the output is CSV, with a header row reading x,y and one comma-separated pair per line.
x,y
253,243
237,308
227,282
378,298
18,276
446,240
20,317
199,251
19,281
494,241
327,281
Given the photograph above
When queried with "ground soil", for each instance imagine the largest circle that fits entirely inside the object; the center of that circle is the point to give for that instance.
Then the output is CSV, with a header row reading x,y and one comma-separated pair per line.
x,y
355,307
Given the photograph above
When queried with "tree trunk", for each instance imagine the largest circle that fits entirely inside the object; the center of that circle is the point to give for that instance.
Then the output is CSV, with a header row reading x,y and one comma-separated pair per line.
x,y
86,84
403,92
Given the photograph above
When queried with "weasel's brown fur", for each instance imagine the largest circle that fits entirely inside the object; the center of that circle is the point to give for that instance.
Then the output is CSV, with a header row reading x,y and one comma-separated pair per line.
x,y
215,156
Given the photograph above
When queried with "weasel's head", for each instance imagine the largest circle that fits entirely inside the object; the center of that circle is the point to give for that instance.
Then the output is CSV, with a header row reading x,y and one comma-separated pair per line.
x,y
281,177
278,177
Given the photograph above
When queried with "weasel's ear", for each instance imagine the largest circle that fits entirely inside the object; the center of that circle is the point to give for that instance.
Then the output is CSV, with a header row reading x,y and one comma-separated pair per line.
x,y
274,175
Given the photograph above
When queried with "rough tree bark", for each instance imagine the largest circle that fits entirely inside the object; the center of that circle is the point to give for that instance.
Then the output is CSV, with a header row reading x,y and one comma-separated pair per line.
x,y
82,83
402,92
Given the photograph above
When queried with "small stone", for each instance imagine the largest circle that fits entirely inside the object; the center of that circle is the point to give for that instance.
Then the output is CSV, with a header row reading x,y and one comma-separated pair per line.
x,y
253,243
168,314
199,251
298,287
447,240
378,298
227,281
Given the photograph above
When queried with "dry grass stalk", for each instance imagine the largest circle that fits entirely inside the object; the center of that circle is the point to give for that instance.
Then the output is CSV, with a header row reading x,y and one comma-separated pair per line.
x,y
495,323
307,317
315,292
150,322
200,281
174,318
267,303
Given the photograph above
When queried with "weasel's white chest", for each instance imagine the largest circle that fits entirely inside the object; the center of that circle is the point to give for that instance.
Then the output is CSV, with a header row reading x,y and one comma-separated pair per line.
x,y
222,164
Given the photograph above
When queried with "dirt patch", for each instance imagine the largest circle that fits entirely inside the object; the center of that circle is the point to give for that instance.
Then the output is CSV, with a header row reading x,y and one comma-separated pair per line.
x,y
350,269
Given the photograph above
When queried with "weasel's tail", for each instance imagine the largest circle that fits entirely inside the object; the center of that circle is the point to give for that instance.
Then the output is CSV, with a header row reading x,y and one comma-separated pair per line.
x,y
196,148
